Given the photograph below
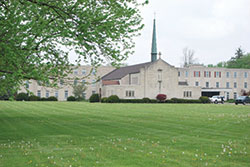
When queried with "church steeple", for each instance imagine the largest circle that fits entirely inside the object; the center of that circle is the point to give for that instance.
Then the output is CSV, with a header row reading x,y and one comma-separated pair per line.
x,y
154,46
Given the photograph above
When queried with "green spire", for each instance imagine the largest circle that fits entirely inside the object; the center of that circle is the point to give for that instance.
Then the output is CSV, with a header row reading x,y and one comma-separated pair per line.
x,y
154,47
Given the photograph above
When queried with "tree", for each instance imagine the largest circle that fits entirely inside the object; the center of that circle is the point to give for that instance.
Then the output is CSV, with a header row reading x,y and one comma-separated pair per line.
x,y
241,60
239,53
36,36
188,57
78,91
245,93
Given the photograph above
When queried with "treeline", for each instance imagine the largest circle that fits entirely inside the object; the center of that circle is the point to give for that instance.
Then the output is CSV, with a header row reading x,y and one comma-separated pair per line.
x,y
240,60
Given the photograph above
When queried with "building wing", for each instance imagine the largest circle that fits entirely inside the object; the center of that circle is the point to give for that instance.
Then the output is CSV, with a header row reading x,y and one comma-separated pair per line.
x,y
123,71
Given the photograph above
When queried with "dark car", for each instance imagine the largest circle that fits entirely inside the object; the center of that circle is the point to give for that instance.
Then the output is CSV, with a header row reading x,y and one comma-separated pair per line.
x,y
242,99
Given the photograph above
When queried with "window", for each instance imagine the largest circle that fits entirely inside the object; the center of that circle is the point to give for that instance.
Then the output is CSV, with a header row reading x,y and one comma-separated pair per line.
x,y
75,82
130,93
75,72
245,74
186,73
187,94
207,74
47,93
228,85
197,74
93,82
228,74
196,83
235,74
56,94
83,72
227,95
83,82
245,85
160,74
93,71
61,82
217,74
27,84
39,93
93,92
235,84
217,84
66,94
179,73
207,84
235,95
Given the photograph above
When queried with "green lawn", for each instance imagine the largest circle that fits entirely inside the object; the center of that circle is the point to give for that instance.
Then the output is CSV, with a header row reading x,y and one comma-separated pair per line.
x,y
75,134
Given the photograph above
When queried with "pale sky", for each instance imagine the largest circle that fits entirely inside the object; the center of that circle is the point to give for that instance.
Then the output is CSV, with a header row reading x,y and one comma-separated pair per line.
x,y
214,29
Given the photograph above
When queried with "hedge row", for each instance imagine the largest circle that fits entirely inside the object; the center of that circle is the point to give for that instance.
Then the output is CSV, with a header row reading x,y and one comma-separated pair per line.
x,y
72,98
115,99
26,97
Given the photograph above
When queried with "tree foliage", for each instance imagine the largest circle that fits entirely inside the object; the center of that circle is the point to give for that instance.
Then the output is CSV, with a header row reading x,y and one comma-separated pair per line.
x,y
37,35
78,90
240,60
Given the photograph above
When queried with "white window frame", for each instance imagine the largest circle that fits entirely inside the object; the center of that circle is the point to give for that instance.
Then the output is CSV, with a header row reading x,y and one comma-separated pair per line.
x,y
235,84
66,94
245,85
39,93
84,71
47,94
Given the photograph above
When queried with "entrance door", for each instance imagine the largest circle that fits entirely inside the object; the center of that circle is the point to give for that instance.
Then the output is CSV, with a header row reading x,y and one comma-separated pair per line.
x,y
210,94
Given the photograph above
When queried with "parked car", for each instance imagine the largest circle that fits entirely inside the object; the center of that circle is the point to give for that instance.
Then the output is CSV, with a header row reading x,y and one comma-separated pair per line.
x,y
242,99
217,99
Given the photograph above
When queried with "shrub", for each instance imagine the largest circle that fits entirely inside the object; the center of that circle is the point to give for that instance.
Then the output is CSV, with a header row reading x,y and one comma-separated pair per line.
x,y
104,100
113,99
52,98
71,98
136,101
230,101
153,101
169,101
175,100
22,96
80,99
204,99
94,98
131,101
34,98
4,97
161,97
43,99
146,100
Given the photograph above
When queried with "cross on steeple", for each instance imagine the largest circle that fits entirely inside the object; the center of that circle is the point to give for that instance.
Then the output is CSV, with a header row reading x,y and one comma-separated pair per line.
x,y
159,55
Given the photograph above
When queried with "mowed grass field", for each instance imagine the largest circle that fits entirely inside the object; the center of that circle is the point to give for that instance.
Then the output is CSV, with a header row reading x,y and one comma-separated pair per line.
x,y
72,134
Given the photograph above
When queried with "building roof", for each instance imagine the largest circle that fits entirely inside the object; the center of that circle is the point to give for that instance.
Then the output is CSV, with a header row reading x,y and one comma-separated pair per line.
x,y
123,71
109,82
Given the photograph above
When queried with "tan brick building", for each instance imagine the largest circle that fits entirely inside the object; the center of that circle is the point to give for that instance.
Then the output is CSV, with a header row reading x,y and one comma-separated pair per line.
x,y
151,78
